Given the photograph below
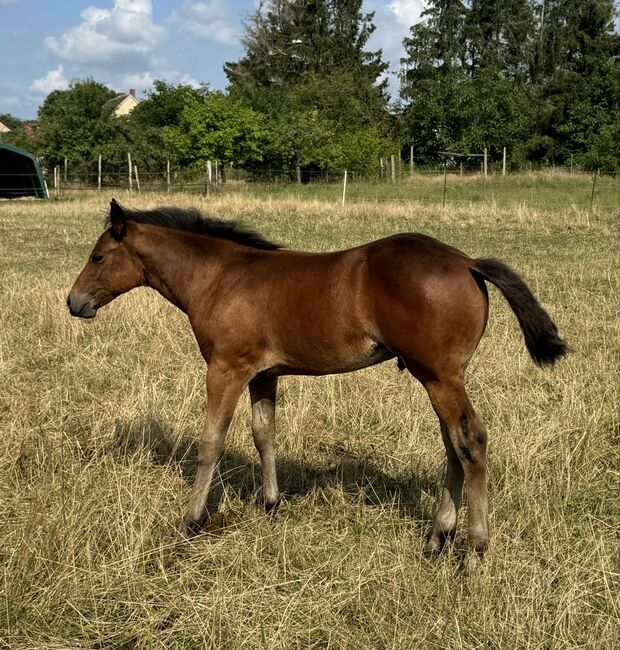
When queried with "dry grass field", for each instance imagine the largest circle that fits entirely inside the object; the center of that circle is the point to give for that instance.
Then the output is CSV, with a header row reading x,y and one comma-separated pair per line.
x,y
98,425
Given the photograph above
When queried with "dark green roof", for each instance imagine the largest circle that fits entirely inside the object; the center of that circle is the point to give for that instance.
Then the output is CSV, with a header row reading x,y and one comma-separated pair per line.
x,y
20,173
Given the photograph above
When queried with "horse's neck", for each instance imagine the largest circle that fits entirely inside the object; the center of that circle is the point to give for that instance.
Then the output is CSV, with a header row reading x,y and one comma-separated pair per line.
x,y
171,263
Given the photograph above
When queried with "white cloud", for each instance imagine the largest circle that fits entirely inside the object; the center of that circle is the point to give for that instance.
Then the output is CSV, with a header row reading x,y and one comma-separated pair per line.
x,y
124,36
393,21
407,12
185,79
53,80
207,21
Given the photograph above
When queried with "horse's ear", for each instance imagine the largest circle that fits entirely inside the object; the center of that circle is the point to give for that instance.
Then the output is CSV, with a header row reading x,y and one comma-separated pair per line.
x,y
117,220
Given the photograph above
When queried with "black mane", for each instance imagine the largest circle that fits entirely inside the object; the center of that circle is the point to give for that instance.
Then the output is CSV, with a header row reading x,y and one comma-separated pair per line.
x,y
193,220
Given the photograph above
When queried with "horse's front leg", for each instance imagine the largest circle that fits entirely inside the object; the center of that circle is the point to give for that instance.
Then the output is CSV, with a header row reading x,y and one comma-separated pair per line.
x,y
224,386
263,398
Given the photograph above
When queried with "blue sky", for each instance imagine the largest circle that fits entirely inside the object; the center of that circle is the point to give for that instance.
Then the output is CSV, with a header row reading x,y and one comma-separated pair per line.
x,y
128,43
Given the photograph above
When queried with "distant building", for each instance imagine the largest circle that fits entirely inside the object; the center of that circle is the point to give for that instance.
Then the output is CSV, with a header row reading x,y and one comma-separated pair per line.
x,y
4,128
122,104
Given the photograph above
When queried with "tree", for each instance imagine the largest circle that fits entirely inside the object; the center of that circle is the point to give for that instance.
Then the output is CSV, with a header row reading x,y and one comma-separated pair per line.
x,y
286,40
71,124
538,77
325,124
217,128
576,77
18,135
10,121
307,71
157,113
437,45
164,103
499,36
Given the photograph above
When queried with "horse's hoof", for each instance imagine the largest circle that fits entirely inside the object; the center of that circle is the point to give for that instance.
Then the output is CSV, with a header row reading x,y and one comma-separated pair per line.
x,y
473,564
192,528
272,507
433,547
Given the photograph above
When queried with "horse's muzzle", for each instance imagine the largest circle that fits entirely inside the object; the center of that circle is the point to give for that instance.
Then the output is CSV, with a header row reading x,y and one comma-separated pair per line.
x,y
81,305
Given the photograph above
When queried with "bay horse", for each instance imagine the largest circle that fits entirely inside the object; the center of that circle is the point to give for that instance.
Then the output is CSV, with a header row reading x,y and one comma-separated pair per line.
x,y
259,311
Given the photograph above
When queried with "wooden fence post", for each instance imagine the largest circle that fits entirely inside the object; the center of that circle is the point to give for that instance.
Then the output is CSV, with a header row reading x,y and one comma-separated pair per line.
x,y
504,163
99,174
130,174
344,187
57,181
135,171
393,168
411,161
445,181
208,178
593,188
168,175
485,161
65,174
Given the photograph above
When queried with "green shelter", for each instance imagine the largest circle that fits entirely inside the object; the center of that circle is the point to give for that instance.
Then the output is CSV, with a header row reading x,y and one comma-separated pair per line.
x,y
20,174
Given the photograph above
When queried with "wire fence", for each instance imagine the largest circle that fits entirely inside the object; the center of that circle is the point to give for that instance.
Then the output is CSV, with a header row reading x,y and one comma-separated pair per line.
x,y
555,189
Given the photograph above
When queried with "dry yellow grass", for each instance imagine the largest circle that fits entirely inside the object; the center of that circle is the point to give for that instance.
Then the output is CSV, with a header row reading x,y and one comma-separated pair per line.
x,y
98,423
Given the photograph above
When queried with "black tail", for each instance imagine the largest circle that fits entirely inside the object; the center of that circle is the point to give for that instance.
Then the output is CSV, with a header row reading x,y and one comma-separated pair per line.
x,y
540,332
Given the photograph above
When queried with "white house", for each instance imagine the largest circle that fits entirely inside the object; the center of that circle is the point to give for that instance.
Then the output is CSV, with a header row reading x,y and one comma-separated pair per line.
x,y
122,104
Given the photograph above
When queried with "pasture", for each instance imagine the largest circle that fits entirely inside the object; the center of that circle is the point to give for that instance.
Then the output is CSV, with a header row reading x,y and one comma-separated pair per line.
x,y
97,455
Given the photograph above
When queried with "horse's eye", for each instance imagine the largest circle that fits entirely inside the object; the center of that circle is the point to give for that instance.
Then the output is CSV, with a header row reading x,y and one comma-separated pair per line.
x,y
96,258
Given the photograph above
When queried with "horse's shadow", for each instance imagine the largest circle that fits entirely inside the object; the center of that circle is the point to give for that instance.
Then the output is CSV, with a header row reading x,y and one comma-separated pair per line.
x,y
355,475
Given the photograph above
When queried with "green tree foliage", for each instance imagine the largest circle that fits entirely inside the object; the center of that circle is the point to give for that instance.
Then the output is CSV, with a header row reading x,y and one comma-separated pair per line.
x,y
10,121
577,80
326,124
163,105
18,135
76,124
307,71
71,125
217,128
158,114
286,40
540,78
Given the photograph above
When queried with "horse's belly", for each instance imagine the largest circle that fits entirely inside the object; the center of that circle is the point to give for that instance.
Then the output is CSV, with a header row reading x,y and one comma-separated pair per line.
x,y
323,360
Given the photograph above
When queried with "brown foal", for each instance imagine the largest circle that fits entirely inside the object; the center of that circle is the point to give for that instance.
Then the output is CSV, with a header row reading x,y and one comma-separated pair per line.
x,y
259,312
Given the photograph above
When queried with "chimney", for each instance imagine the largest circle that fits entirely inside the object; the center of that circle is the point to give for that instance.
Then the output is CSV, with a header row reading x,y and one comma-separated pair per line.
x,y
132,92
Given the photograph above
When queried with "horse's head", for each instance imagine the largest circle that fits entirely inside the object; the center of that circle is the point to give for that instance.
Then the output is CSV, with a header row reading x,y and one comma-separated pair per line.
x,y
112,269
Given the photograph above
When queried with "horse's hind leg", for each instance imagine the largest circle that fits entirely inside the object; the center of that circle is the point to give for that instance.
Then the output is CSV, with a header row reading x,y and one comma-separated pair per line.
x,y
263,398
445,520
468,439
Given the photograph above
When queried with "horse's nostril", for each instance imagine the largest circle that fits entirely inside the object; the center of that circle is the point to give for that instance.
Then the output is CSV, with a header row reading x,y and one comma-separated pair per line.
x,y
68,301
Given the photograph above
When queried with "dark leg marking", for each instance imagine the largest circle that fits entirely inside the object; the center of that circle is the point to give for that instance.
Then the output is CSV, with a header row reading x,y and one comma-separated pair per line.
x,y
464,449
465,426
